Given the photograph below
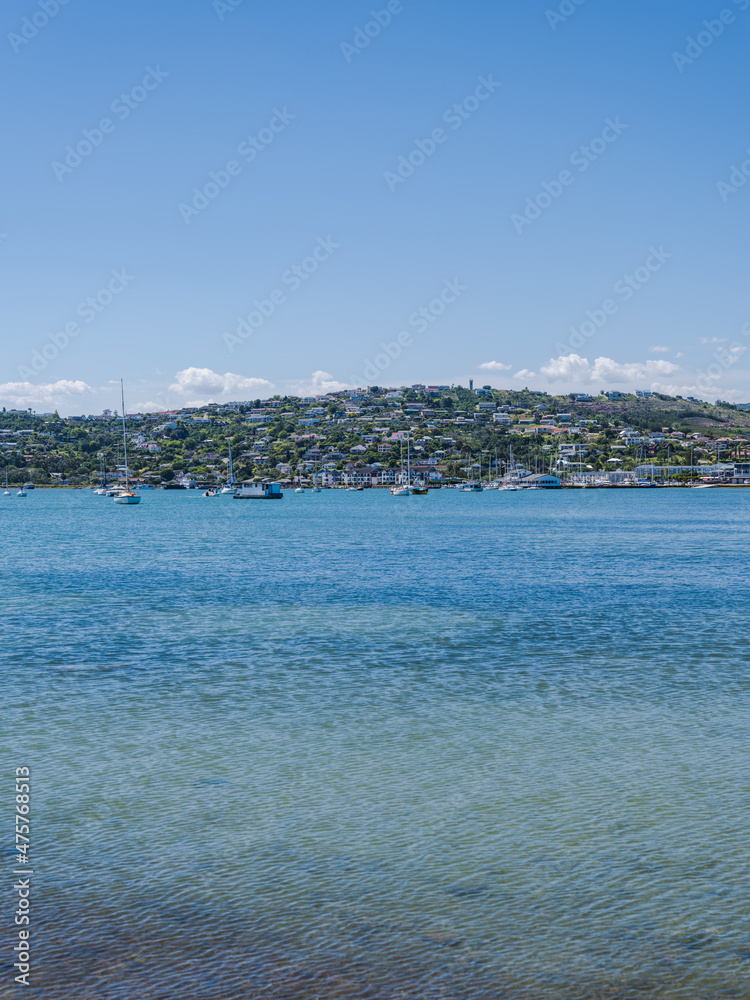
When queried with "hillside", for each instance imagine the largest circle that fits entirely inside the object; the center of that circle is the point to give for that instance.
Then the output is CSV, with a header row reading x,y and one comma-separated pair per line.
x,y
450,429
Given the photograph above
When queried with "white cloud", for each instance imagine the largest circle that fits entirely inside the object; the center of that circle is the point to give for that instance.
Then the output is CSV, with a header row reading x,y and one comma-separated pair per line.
x,y
524,373
212,385
658,350
568,366
51,396
495,366
713,340
319,384
700,391
151,406
572,367
606,368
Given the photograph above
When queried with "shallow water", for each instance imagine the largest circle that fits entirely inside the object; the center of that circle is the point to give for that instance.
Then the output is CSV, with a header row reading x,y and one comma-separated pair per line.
x,y
456,746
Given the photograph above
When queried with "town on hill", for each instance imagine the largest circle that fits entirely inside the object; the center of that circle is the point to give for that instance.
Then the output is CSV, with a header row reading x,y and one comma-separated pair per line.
x,y
359,437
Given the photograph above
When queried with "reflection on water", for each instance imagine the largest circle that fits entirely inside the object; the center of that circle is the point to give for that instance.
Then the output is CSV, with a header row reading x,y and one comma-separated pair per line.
x,y
467,747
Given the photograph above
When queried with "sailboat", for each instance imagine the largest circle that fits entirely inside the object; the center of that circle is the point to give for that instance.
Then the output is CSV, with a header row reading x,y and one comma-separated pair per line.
x,y
472,487
404,489
126,495
510,479
7,491
231,486
316,488
101,490
113,489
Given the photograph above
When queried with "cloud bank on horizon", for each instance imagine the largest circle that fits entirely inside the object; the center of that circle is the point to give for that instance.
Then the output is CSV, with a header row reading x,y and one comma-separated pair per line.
x,y
196,386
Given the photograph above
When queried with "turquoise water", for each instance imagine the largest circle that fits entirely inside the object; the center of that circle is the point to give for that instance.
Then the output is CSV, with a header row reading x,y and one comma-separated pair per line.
x,y
349,745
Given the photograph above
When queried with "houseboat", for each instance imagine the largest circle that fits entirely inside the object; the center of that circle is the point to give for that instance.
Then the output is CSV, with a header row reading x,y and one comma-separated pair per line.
x,y
253,490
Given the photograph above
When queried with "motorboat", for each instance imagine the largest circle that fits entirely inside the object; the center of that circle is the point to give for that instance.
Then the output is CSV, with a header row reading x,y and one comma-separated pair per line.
x,y
125,496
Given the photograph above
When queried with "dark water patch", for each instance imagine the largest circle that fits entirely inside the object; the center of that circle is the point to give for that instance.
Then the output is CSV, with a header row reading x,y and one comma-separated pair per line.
x,y
105,952
467,891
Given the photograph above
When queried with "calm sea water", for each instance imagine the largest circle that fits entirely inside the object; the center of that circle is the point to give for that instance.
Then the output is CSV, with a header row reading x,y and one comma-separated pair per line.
x,y
439,748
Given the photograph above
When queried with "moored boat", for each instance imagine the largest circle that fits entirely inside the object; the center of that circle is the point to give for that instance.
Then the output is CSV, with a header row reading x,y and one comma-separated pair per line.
x,y
230,487
253,490
126,496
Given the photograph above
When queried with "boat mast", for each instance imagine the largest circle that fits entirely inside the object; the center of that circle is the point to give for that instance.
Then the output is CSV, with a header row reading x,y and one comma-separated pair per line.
x,y
231,465
124,440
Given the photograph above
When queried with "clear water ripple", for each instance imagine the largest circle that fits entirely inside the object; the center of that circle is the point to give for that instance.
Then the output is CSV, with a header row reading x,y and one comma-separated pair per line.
x,y
464,747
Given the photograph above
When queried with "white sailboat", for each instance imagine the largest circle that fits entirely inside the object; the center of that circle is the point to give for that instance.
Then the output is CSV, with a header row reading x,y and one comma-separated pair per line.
x,y
231,487
472,487
7,491
101,490
510,479
125,496
404,488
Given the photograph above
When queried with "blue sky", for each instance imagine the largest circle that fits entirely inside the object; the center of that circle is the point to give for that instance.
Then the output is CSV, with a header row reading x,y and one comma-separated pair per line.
x,y
587,99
